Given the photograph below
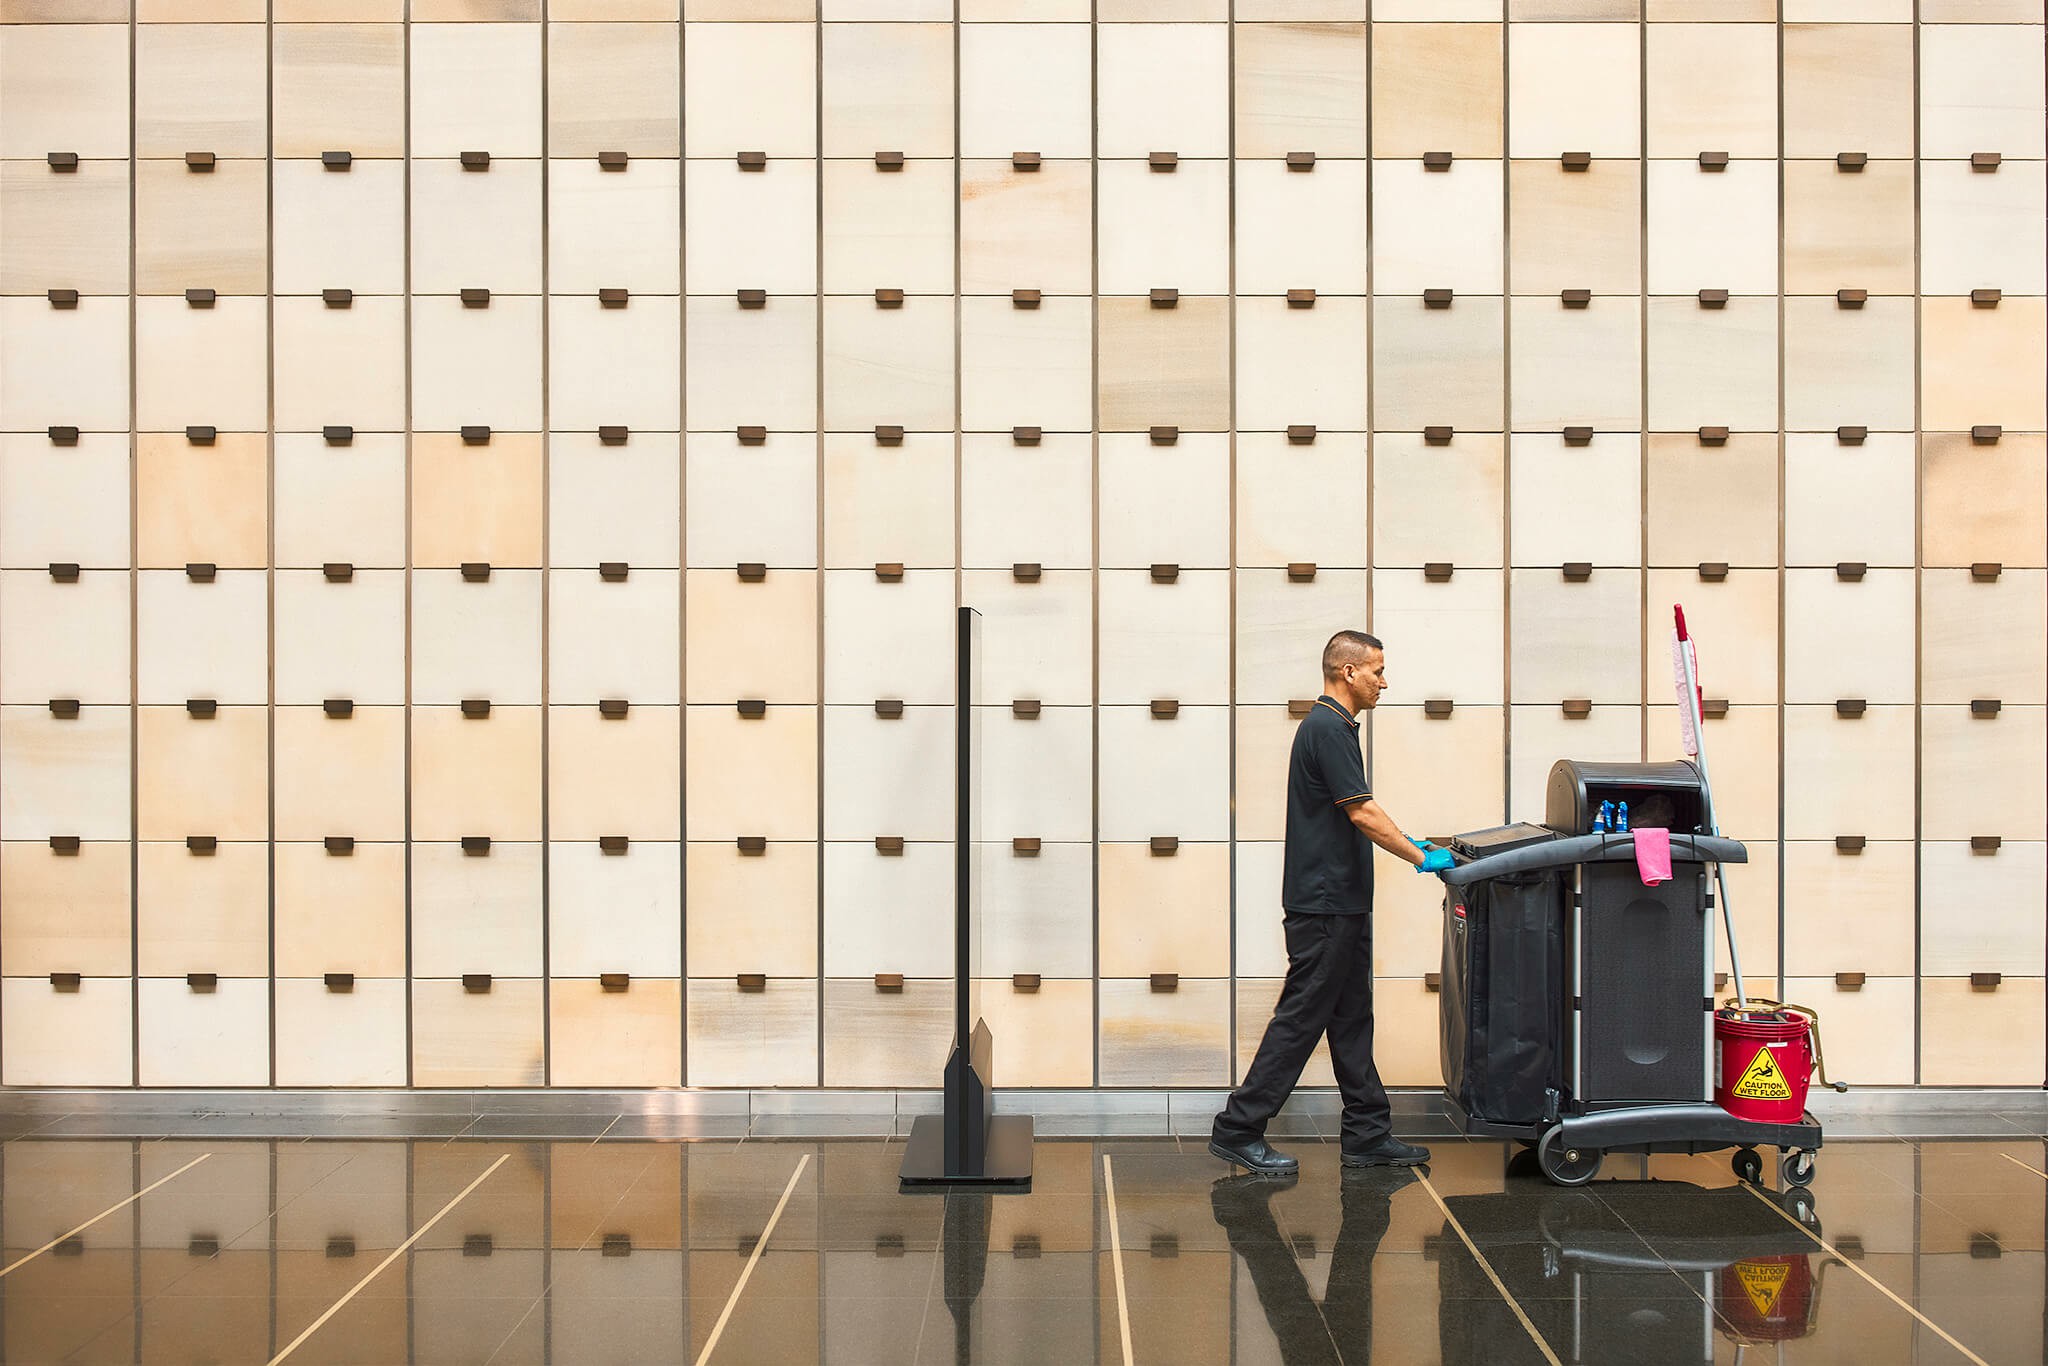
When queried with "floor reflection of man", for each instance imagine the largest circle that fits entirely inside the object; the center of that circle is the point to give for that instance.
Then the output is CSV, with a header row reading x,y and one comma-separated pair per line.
x,y
1340,1328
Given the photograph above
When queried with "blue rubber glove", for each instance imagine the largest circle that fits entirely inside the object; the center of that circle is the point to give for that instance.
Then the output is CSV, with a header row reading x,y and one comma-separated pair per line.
x,y
1423,845
1436,861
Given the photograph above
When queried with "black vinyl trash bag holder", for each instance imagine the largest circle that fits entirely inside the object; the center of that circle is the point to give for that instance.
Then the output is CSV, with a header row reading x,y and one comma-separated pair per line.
x,y
1502,1005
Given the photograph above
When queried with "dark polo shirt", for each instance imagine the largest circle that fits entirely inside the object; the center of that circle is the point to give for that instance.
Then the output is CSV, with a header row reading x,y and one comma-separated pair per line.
x,y
1328,860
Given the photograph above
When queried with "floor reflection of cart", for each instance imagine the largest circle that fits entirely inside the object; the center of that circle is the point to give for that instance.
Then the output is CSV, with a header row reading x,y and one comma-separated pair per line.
x,y
1627,1272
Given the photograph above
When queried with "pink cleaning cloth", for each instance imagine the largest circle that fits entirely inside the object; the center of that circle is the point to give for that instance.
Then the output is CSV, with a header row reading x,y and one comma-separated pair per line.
x,y
1653,855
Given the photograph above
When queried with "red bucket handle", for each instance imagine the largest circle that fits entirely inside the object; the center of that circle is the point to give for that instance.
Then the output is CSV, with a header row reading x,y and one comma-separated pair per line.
x,y
1758,1005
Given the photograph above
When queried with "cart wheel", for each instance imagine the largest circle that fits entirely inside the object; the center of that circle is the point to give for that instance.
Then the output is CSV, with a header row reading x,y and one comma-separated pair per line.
x,y
1798,1202
1564,1164
1796,1167
1748,1164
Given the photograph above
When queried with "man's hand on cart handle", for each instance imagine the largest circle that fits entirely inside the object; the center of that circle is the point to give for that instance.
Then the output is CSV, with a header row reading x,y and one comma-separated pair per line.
x,y
1436,861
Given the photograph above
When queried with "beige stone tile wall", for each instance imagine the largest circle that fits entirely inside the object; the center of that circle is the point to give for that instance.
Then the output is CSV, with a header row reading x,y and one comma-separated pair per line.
x,y
478,465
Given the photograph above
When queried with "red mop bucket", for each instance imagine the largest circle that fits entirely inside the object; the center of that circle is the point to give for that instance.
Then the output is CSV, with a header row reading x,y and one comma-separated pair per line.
x,y
1764,1060
1764,1300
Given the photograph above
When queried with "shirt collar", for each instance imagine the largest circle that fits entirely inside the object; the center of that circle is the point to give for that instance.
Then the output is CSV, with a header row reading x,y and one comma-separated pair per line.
x,y
1334,705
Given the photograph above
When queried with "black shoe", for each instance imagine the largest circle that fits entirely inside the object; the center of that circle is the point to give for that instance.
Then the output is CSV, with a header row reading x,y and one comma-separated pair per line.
x,y
1388,1152
1372,1183
1258,1155
1247,1190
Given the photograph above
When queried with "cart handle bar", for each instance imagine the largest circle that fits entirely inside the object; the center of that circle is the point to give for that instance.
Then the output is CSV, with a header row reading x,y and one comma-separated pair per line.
x,y
1562,853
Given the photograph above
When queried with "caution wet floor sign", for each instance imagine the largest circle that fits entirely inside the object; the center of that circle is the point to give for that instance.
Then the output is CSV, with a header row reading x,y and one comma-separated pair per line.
x,y
1763,1079
1763,1282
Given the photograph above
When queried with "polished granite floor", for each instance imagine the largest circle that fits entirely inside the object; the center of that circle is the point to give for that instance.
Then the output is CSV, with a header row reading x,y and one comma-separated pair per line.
x,y
775,1250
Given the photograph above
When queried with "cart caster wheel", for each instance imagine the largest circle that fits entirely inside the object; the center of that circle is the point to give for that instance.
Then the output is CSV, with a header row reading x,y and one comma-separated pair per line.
x,y
1798,1202
1748,1165
1796,1167
1564,1164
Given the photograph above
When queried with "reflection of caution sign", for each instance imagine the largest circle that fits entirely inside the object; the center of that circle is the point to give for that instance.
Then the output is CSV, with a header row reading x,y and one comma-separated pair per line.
x,y
1763,1079
1763,1282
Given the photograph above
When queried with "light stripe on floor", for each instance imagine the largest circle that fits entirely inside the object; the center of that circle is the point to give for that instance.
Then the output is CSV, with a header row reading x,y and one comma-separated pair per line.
x,y
1880,1286
357,1288
760,1246
1487,1267
104,1213
1116,1260
2017,1163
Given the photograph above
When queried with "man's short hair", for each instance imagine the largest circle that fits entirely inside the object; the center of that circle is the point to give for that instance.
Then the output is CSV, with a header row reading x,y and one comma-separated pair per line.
x,y
1347,647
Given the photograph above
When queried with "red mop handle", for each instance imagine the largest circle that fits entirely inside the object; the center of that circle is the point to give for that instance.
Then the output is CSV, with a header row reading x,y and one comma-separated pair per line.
x,y
1699,689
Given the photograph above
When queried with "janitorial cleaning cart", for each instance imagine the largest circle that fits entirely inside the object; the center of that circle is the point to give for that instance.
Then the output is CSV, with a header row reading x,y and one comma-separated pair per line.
x,y
1578,1010
1591,1275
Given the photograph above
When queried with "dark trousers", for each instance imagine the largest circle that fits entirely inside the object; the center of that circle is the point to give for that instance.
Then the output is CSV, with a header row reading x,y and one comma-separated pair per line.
x,y
1328,991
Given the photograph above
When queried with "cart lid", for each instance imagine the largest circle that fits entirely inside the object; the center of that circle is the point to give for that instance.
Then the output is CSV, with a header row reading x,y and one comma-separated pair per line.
x,y
1500,839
